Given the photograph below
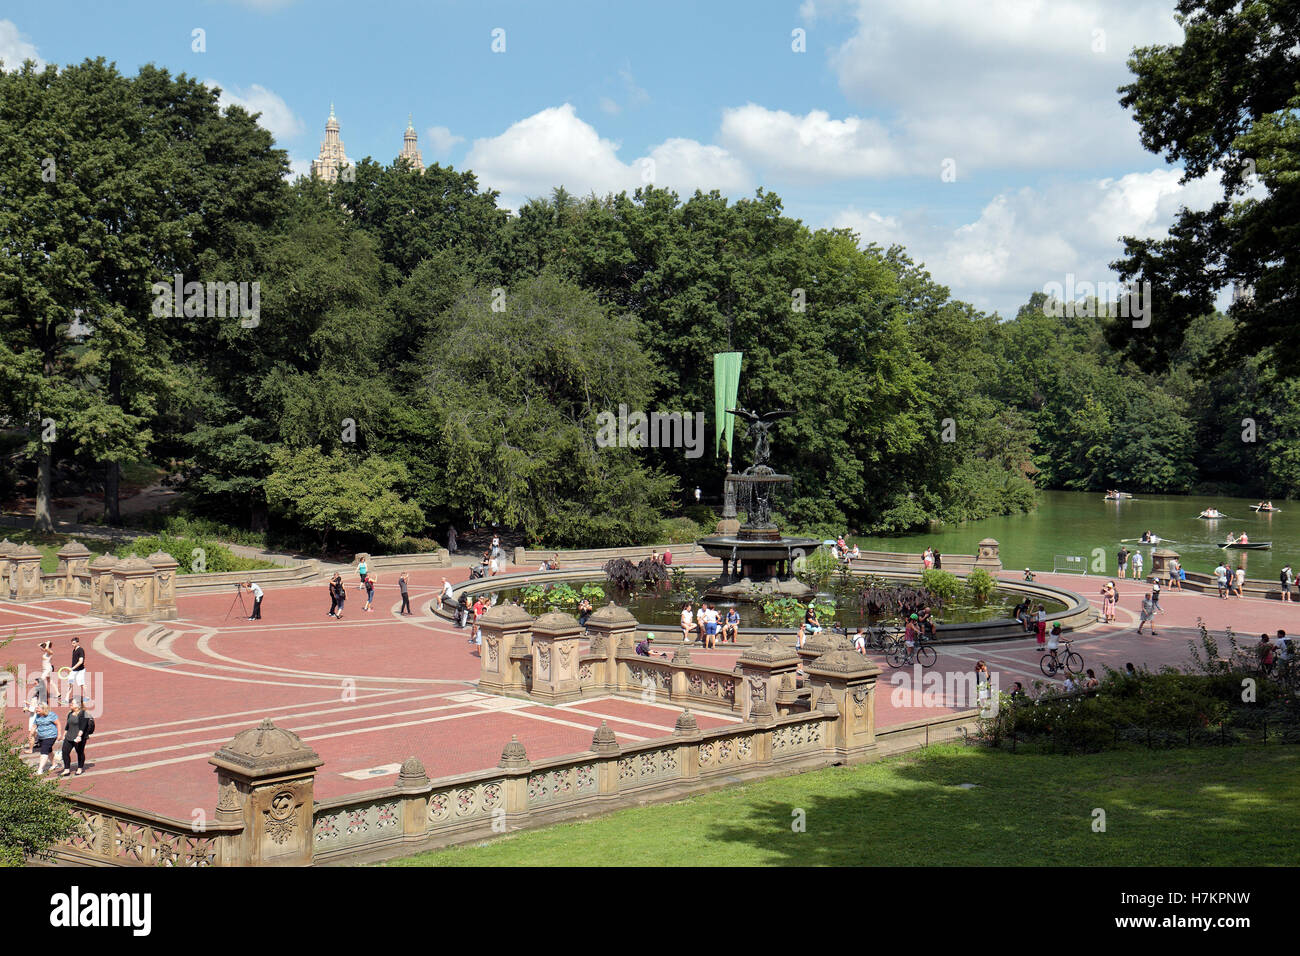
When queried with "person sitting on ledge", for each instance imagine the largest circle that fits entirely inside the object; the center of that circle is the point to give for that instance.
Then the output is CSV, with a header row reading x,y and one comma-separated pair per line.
x,y
1029,575
643,647
732,626
1021,613
688,623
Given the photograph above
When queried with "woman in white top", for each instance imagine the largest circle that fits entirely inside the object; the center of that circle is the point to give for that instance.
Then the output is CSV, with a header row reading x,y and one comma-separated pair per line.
x,y
688,624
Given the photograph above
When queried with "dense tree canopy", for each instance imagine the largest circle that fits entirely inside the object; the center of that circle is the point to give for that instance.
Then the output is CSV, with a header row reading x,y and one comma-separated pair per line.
x,y
424,358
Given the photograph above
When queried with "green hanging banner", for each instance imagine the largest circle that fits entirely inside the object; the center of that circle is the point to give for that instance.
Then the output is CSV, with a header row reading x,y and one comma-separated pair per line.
x,y
726,386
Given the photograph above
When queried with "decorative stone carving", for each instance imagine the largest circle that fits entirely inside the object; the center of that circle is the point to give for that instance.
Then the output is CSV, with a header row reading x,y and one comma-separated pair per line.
x,y
604,741
686,724
513,756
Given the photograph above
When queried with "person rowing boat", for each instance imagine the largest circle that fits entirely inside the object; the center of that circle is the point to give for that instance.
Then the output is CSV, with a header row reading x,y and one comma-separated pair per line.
x,y
1211,513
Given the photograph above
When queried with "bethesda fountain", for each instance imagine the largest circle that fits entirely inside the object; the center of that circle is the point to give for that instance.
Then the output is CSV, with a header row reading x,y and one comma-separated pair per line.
x,y
757,560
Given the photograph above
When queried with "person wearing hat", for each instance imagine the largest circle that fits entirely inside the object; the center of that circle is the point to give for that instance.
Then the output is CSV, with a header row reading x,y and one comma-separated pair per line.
x,y
643,647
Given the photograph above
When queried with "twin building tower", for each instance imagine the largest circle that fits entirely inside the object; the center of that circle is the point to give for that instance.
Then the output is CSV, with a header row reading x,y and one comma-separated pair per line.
x,y
332,160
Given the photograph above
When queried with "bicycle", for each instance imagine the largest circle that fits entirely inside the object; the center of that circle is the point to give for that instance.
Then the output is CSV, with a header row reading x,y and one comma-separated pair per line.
x,y
1069,660
898,655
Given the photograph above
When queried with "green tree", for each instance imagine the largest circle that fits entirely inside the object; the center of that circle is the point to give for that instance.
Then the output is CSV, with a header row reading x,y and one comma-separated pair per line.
x,y
1226,100
341,494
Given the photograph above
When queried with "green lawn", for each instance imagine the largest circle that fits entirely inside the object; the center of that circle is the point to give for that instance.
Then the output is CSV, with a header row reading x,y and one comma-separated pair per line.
x,y
1230,806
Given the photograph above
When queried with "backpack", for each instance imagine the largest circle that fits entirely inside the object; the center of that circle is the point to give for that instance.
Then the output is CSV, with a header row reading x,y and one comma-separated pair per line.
x,y
88,727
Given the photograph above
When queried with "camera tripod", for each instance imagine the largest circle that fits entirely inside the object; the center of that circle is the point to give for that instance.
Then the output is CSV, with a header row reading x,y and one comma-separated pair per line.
x,y
239,599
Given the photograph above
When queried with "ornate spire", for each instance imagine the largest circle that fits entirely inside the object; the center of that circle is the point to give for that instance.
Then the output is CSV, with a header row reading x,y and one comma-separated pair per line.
x,y
332,157
410,149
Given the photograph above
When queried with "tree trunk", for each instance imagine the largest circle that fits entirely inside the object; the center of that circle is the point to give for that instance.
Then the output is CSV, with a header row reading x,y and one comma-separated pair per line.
x,y
44,465
112,511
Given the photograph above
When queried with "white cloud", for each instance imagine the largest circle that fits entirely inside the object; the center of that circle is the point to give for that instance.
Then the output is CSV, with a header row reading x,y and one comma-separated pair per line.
x,y
1000,83
813,145
1024,238
556,148
15,48
276,116
298,167
441,140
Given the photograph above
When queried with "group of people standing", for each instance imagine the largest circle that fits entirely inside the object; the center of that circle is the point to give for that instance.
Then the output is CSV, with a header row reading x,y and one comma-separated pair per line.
x,y
43,731
365,582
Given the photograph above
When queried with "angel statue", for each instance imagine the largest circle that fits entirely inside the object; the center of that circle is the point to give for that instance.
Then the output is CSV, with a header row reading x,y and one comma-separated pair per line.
x,y
760,425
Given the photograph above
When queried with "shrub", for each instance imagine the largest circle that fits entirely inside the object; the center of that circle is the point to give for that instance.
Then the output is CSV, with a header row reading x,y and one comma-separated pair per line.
x,y
980,584
942,584
193,555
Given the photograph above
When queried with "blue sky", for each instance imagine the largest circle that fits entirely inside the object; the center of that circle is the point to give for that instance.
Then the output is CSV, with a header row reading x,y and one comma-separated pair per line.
x,y
1013,99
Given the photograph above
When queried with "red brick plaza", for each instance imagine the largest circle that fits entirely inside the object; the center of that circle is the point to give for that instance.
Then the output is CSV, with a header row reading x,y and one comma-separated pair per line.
x,y
371,690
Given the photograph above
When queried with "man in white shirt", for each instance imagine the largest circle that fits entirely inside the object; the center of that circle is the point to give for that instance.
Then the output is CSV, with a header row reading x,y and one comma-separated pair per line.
x,y
1221,577
257,600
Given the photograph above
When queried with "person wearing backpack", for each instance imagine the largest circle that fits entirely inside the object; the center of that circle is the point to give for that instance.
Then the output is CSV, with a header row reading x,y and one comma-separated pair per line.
x,y
78,727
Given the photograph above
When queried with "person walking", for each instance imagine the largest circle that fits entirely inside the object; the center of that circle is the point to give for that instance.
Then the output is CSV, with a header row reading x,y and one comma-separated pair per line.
x,y
1040,626
47,735
77,673
1286,579
1240,577
406,598
340,596
370,593
1137,565
1221,577
983,684
938,560
74,737
361,574
1148,614
257,600
47,667
39,698
451,539
334,596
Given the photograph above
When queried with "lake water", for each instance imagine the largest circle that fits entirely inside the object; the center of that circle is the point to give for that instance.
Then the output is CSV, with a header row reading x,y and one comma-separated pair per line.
x,y
1076,522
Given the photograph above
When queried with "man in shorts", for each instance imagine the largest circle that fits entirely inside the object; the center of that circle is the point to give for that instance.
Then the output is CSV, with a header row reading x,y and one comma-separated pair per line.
x,y
1221,578
77,677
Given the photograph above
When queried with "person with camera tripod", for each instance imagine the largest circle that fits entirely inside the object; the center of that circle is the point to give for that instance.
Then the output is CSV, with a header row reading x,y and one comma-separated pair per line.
x,y
256,590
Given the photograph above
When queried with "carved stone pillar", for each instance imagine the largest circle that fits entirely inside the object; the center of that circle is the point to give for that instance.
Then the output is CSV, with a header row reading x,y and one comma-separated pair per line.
x,y
502,626
846,681
7,549
25,574
133,590
987,556
266,779
608,627
413,781
73,560
164,586
101,585
556,637
759,671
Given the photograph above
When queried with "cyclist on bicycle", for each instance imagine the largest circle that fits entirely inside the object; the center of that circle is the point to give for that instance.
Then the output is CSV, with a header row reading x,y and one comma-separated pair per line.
x,y
1054,640
910,631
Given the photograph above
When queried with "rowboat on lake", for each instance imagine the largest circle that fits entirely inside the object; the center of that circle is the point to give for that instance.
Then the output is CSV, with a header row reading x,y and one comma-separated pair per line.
x,y
1252,546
